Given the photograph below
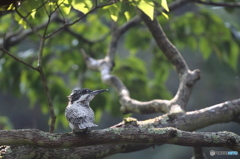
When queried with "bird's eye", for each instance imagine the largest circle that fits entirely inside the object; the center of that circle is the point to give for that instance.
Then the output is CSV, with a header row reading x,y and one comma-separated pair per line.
x,y
74,92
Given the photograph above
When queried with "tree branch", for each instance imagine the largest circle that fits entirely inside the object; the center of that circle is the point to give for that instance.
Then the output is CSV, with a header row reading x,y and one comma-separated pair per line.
x,y
223,4
17,59
128,105
78,19
143,133
93,152
28,23
49,100
40,55
79,36
124,135
186,76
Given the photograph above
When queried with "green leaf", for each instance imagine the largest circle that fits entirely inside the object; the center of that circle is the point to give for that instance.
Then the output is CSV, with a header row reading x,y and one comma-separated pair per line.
x,y
205,48
127,15
5,123
147,8
23,23
165,15
66,7
114,10
164,5
84,6
234,54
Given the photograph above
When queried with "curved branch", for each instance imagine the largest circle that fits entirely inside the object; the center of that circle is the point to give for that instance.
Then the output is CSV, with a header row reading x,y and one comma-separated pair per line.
x,y
129,105
187,77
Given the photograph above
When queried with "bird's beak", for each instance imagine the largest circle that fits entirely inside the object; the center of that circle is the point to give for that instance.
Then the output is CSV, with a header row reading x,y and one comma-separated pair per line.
x,y
98,91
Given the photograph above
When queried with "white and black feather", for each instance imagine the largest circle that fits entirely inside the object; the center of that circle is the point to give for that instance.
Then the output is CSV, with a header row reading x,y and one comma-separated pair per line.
x,y
78,112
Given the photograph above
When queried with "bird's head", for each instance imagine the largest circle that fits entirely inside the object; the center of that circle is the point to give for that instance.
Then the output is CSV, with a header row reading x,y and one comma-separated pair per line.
x,y
83,95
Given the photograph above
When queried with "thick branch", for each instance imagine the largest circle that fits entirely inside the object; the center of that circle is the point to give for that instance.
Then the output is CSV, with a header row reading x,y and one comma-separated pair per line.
x,y
169,50
194,120
129,105
88,152
130,131
187,77
131,135
220,113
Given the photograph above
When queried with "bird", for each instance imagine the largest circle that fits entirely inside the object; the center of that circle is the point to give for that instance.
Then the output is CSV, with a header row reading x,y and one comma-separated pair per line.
x,y
78,111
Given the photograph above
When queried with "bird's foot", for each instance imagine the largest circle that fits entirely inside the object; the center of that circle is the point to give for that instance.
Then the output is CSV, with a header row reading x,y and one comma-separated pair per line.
x,y
82,132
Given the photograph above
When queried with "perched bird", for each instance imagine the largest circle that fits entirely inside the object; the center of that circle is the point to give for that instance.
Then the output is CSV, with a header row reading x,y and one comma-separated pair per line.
x,y
78,112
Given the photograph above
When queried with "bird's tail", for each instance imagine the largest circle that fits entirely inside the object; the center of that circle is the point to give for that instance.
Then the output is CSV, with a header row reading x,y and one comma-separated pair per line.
x,y
85,125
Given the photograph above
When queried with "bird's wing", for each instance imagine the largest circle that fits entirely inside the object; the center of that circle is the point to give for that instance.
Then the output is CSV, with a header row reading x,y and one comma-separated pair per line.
x,y
74,116
79,118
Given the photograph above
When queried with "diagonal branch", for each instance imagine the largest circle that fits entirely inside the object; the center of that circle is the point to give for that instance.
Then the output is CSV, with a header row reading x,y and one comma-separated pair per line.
x,y
79,18
40,58
129,105
79,36
187,77
17,59
223,4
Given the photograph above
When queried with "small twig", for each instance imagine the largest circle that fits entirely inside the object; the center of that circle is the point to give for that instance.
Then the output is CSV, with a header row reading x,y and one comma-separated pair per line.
x,y
40,52
46,8
80,37
44,81
78,19
39,68
17,59
28,23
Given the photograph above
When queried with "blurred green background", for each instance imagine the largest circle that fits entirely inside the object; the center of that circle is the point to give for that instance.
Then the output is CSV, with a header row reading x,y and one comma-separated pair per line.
x,y
207,37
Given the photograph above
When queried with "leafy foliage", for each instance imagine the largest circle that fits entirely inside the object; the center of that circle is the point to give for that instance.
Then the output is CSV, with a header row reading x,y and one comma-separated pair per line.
x,y
207,33
5,124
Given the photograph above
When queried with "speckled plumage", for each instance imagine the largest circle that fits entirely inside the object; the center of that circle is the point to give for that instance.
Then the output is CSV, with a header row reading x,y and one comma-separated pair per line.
x,y
78,112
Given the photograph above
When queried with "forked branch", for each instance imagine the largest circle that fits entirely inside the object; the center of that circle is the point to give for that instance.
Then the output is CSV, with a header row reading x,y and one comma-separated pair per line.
x,y
129,105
